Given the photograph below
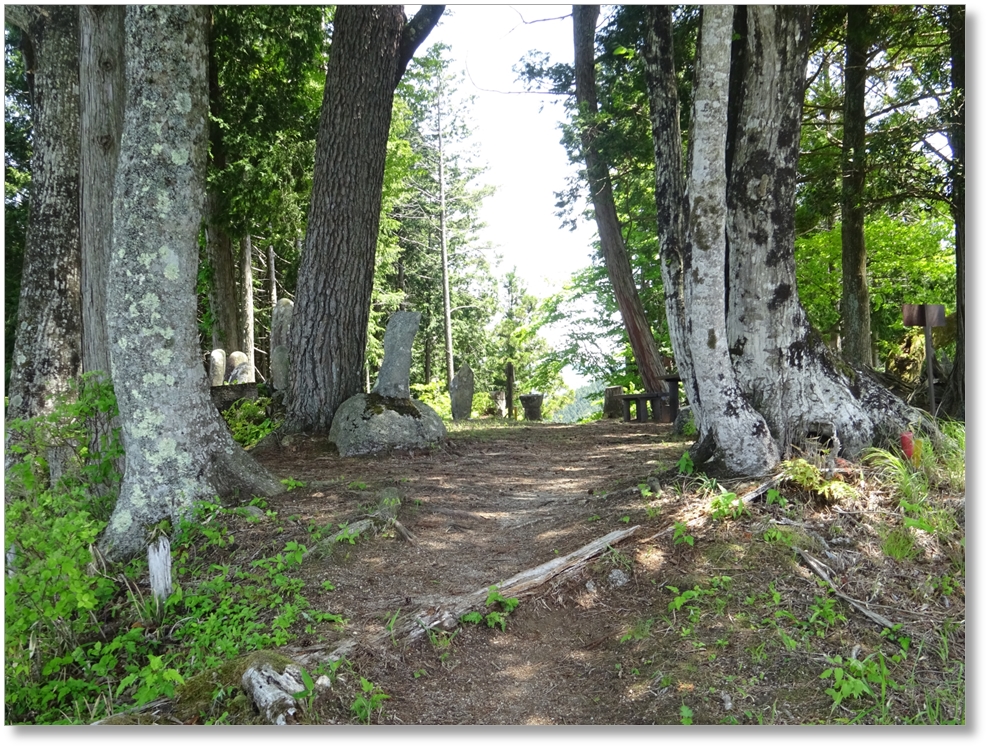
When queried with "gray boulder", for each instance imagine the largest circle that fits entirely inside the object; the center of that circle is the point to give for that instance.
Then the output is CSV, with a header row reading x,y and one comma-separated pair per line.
x,y
373,423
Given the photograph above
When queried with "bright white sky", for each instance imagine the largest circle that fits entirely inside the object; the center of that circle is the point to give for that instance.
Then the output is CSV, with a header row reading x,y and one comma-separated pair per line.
x,y
519,144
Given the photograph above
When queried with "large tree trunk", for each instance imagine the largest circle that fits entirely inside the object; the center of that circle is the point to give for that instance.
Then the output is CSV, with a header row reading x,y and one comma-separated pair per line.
x,y
721,412
954,402
48,349
371,48
616,259
178,450
856,326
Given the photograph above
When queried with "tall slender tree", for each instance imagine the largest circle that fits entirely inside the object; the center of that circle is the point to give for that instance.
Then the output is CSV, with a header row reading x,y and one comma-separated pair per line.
x,y
616,259
371,48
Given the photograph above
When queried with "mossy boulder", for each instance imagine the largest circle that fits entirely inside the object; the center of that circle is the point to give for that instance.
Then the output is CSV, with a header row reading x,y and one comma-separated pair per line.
x,y
368,424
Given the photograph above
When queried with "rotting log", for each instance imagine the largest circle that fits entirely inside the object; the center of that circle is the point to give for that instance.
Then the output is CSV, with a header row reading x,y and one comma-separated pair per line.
x,y
271,691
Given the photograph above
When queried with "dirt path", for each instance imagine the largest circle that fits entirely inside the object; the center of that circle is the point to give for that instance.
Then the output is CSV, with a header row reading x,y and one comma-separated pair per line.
x,y
483,507
615,643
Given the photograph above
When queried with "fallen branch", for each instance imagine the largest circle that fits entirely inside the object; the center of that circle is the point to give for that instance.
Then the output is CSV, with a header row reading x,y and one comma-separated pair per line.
x,y
818,569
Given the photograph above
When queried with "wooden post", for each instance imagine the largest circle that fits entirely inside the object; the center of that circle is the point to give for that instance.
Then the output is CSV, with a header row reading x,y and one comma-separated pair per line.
x,y
510,390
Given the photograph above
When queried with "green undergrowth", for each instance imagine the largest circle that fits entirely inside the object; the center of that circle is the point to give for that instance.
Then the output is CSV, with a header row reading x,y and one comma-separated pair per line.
x,y
84,638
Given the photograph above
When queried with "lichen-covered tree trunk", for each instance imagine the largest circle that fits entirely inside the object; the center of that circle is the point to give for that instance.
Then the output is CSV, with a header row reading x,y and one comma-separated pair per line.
x,y
856,326
784,369
742,438
48,349
613,250
178,450
372,45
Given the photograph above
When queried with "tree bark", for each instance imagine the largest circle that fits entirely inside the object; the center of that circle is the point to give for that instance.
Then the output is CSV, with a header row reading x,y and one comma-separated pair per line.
x,y
856,326
101,115
48,350
371,47
178,450
740,433
664,115
954,402
613,250
246,304
783,367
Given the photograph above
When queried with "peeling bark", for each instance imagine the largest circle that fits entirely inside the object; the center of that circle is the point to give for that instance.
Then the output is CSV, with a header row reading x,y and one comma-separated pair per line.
x,y
178,450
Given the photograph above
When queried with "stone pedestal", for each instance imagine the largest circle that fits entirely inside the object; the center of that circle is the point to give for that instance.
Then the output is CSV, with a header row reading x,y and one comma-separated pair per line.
x,y
613,402
498,397
532,404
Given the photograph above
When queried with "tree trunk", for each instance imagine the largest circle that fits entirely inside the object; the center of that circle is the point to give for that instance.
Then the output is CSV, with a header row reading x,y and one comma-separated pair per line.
x,y
178,450
613,250
371,48
856,335
664,114
101,115
954,402
444,259
246,304
48,349
740,433
784,368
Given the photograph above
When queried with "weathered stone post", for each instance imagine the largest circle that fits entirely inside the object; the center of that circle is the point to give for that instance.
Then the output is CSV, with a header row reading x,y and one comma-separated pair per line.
x,y
462,393
532,404
498,397
281,329
239,370
613,402
393,377
217,367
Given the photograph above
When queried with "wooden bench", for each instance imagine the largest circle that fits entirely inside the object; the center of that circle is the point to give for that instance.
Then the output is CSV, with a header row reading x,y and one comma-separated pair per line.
x,y
664,406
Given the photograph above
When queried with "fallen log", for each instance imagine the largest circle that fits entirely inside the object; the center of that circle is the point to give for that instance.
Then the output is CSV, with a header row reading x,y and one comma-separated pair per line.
x,y
272,692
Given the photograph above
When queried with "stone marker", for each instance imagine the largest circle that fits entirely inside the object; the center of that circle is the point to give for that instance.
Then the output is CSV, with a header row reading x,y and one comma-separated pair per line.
x,y
217,366
388,417
281,332
498,397
281,323
532,404
393,377
280,368
613,403
462,393
238,369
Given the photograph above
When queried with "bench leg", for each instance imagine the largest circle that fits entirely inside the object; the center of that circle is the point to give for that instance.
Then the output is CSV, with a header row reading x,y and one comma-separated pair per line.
x,y
640,409
627,409
657,407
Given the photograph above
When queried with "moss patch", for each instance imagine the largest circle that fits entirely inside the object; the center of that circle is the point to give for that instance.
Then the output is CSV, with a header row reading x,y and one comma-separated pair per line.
x,y
378,404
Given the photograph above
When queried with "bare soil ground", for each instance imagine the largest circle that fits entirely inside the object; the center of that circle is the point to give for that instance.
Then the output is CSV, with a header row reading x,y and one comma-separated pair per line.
x,y
609,644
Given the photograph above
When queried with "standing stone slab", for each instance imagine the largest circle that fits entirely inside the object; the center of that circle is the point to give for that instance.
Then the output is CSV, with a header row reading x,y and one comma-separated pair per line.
x,y
217,367
281,323
388,418
462,393
393,377
280,370
498,398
